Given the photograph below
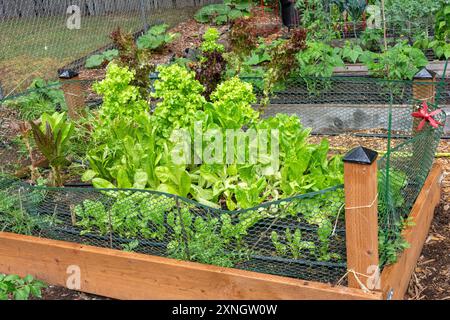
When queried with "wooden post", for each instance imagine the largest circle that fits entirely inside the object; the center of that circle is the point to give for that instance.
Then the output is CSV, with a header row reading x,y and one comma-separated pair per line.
x,y
73,93
424,89
361,214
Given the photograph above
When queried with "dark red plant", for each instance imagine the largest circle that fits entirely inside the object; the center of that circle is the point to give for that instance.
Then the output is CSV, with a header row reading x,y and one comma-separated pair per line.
x,y
134,58
209,72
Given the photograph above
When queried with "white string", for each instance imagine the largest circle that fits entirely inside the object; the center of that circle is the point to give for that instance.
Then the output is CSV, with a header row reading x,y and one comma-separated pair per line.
x,y
355,274
366,206
336,221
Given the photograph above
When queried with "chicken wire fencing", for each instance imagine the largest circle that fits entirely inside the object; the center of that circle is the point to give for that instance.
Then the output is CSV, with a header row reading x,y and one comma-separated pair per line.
x,y
44,36
301,237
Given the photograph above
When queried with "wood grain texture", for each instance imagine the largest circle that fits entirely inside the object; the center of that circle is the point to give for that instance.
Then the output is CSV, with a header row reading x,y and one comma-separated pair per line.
x,y
74,96
125,275
361,219
396,277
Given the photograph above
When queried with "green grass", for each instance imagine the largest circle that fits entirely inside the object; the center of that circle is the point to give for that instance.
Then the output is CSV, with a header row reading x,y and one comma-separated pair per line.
x,y
37,47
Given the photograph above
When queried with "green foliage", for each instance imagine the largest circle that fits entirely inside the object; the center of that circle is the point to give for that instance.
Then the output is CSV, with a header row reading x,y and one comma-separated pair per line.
x,y
41,97
391,242
355,8
156,38
315,19
294,244
181,97
223,12
316,63
13,216
98,60
52,139
441,42
135,59
17,288
132,215
232,104
210,70
351,52
400,62
200,239
121,99
410,12
370,39
442,23
210,41
391,200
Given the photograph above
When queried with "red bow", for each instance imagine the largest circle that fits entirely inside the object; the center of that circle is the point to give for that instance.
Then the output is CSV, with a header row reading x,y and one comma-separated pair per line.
x,y
426,116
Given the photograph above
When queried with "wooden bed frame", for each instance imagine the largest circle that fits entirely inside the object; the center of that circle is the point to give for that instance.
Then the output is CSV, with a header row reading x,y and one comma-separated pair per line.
x,y
125,275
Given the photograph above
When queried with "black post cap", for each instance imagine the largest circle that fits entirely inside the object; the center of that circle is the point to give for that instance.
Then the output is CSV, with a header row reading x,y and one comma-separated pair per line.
x,y
67,73
425,74
361,155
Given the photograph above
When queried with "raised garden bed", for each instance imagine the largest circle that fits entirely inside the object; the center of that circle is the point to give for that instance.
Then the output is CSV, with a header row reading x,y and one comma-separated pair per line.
x,y
126,275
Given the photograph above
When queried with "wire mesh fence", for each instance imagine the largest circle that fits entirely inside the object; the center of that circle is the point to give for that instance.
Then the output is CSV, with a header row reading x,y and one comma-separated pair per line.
x,y
301,237
43,37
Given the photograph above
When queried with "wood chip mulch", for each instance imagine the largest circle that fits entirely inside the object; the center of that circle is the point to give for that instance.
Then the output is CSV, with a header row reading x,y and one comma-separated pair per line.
x,y
431,279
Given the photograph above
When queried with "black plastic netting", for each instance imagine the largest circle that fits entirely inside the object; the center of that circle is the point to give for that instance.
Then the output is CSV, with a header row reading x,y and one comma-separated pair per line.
x,y
301,237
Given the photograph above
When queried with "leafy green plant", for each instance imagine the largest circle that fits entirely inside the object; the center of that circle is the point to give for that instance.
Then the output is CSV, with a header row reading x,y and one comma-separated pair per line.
x,y
180,95
294,244
317,63
410,15
99,60
442,22
52,139
441,42
355,9
370,39
282,62
351,52
13,216
17,288
231,104
211,68
223,13
41,97
210,41
315,20
400,62
156,38
131,215
121,99
135,59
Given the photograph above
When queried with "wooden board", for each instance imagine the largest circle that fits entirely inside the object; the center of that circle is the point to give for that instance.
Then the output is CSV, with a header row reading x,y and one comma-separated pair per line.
x,y
395,278
125,275
361,218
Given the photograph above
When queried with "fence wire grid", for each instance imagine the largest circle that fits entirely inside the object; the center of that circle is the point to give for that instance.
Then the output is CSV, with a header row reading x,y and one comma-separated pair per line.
x,y
43,37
